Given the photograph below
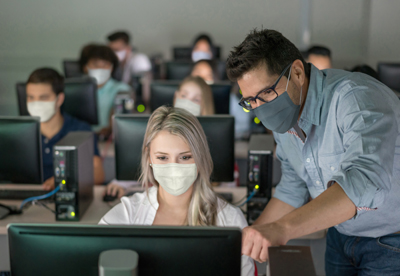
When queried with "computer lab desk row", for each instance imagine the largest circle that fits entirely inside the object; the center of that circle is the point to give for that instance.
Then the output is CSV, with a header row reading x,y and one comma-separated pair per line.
x,y
98,208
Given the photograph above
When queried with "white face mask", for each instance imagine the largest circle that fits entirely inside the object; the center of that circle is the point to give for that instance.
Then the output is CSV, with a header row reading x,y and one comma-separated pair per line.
x,y
188,106
199,55
42,109
175,178
101,75
121,55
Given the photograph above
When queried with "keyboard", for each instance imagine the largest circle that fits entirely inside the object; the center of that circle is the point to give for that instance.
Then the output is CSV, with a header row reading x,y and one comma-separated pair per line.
x,y
20,194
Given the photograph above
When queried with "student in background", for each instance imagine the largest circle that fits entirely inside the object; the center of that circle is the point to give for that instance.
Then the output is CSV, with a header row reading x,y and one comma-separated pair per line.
x,y
203,48
193,95
175,147
131,63
44,93
366,70
99,62
320,57
206,69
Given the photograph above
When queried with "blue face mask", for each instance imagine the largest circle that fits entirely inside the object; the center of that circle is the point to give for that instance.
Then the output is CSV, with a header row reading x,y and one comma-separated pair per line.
x,y
281,114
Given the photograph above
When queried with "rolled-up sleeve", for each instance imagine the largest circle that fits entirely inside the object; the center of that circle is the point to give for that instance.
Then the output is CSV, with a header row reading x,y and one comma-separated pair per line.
x,y
291,189
369,131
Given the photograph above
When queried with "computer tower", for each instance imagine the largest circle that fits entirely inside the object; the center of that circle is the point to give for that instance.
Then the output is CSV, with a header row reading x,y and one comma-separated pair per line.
x,y
73,170
259,176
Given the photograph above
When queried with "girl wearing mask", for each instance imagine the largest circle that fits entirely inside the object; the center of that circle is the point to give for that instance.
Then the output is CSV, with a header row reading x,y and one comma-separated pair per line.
x,y
176,169
195,96
203,48
100,62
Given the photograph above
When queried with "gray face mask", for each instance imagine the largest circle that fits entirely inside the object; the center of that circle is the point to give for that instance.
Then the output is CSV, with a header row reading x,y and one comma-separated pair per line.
x,y
281,114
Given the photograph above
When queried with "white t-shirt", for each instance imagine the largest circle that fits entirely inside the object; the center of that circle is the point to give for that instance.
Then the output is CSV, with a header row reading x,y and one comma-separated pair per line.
x,y
139,209
136,63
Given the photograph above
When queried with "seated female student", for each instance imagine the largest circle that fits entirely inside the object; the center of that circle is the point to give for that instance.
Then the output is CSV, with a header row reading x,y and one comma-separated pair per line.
x,y
193,95
175,171
206,69
203,48
99,62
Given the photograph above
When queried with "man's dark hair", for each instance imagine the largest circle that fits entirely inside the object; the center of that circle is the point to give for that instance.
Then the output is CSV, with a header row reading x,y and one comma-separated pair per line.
x,y
120,35
267,47
48,76
366,70
95,51
319,50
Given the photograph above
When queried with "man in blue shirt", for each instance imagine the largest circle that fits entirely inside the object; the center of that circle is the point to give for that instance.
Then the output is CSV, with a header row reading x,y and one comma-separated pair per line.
x,y
44,91
338,140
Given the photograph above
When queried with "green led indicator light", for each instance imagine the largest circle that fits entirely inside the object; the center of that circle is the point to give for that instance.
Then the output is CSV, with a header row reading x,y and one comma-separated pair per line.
x,y
245,110
256,120
257,187
63,182
61,154
140,108
72,214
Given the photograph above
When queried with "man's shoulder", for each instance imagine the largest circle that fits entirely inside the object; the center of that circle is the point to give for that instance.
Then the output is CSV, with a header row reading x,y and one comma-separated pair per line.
x,y
74,124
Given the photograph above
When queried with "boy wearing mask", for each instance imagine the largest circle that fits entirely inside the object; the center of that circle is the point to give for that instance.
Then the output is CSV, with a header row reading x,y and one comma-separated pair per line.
x,y
44,93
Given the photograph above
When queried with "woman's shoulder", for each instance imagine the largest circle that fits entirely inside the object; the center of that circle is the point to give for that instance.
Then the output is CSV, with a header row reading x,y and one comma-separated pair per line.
x,y
229,215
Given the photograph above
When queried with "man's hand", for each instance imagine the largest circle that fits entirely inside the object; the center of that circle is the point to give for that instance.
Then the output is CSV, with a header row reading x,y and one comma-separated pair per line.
x,y
48,185
257,238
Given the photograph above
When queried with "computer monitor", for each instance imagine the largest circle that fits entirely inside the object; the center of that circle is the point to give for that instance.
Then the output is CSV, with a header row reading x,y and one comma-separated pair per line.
x,y
129,133
72,69
389,74
185,53
75,249
162,93
20,150
80,99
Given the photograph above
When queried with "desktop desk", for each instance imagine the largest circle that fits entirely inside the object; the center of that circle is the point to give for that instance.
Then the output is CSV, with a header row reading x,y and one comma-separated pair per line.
x,y
98,208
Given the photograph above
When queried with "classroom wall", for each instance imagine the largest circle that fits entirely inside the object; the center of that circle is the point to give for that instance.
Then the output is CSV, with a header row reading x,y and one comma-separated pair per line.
x,y
43,32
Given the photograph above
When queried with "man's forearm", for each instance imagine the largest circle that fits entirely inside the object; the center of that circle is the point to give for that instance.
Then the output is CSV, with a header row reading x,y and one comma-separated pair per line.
x,y
274,210
332,207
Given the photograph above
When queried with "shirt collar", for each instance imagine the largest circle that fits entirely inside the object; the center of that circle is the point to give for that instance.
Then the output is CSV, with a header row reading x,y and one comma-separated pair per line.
x,y
312,108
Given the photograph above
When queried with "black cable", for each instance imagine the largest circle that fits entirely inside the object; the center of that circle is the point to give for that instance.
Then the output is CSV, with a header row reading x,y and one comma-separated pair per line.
x,y
43,205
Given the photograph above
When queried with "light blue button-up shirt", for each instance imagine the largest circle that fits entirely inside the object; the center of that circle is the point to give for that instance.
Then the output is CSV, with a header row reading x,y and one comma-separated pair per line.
x,y
352,124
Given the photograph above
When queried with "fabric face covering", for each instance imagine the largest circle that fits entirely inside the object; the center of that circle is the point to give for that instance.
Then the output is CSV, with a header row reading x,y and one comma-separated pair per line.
x,y
281,114
188,105
175,178
199,55
101,75
43,109
121,55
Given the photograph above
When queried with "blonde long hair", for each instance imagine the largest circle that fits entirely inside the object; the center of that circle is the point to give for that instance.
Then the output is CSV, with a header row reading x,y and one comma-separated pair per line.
x,y
203,205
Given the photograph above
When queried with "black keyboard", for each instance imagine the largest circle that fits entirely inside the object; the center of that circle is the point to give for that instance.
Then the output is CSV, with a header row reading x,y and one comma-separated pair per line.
x,y
20,194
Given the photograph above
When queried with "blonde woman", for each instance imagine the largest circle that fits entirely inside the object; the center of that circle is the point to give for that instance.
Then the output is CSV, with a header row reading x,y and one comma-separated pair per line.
x,y
195,96
176,168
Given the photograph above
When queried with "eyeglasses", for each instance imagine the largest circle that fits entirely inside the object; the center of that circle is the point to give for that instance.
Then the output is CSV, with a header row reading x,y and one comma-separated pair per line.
x,y
264,95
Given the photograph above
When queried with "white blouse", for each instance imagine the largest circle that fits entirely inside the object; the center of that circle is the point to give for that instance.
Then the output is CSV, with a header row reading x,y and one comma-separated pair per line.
x,y
139,209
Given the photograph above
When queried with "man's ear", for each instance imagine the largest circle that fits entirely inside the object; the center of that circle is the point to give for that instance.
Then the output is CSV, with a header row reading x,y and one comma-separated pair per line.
x,y
60,99
299,72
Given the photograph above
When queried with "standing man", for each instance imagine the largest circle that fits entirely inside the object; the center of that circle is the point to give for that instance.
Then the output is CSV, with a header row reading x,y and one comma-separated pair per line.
x,y
131,64
338,139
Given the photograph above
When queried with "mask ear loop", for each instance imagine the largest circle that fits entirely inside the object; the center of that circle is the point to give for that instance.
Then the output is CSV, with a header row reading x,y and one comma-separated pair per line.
x,y
287,84
301,92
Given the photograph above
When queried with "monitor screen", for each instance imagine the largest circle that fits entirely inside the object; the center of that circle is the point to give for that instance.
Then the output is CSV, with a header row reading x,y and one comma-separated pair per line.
x,y
162,93
389,74
75,249
80,99
72,69
129,131
185,53
20,150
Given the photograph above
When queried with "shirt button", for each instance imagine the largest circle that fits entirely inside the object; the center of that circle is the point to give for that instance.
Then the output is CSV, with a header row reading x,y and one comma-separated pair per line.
x,y
46,140
47,150
308,160
317,182
332,168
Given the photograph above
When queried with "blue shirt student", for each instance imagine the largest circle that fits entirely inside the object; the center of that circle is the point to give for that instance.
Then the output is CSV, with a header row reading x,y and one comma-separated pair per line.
x,y
352,126
105,101
70,124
